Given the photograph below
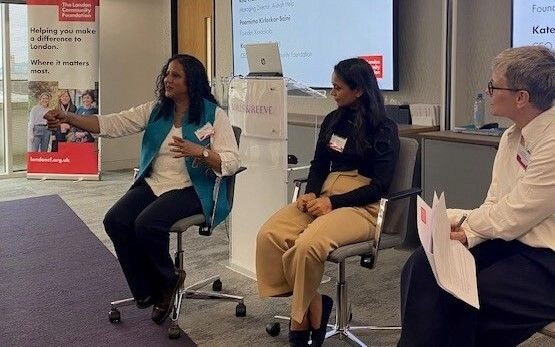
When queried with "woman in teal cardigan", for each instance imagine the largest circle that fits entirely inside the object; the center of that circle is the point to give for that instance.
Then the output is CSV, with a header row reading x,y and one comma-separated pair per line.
x,y
188,141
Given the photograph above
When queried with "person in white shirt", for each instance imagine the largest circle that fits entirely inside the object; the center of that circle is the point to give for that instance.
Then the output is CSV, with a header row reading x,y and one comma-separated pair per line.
x,y
188,141
37,124
511,235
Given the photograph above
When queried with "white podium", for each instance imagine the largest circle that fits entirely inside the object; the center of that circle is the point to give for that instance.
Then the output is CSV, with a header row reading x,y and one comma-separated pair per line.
x,y
259,107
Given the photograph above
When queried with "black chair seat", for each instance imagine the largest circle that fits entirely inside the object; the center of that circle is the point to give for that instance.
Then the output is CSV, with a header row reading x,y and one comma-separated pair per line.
x,y
344,252
185,223
390,241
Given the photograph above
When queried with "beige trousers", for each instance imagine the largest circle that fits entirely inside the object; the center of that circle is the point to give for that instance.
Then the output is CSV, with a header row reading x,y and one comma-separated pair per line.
x,y
292,246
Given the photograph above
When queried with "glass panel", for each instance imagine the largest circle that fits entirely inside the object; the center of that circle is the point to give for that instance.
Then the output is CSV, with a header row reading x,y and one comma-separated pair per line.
x,y
19,59
2,103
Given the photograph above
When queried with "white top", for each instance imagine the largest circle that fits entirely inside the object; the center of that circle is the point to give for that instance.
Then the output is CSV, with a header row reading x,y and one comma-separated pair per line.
x,y
521,201
36,115
167,172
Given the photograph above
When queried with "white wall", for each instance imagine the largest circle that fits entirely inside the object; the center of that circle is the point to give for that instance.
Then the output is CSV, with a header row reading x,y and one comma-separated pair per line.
x,y
482,29
135,41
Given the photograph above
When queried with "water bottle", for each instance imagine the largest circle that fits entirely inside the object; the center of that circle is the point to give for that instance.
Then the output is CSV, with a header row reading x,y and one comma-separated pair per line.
x,y
479,111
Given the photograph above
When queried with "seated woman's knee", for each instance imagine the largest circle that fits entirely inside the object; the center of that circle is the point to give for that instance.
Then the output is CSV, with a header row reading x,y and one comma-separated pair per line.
x,y
266,235
417,261
144,226
419,256
112,222
310,247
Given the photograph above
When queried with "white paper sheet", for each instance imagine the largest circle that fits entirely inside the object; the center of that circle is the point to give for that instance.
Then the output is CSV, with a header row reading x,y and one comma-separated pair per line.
x,y
452,264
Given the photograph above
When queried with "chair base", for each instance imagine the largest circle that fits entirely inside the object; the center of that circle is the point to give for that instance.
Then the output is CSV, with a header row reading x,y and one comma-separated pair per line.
x,y
343,314
346,332
191,292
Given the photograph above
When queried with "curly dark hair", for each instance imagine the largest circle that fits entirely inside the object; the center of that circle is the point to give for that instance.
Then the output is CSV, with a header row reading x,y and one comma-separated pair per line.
x,y
198,86
370,110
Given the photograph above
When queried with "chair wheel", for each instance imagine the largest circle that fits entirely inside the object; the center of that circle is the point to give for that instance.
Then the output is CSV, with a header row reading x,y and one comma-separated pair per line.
x,y
241,310
217,286
114,316
273,329
174,332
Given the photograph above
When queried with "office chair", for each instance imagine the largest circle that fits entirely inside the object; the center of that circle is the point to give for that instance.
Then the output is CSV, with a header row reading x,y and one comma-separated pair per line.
x,y
193,292
391,230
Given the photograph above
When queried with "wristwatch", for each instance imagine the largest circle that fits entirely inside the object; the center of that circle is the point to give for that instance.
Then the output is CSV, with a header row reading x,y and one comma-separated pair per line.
x,y
205,153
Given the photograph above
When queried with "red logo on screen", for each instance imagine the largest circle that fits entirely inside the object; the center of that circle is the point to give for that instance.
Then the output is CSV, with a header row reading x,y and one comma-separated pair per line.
x,y
376,61
77,10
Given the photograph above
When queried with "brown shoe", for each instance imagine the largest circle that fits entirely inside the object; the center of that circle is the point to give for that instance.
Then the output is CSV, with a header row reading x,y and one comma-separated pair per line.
x,y
163,308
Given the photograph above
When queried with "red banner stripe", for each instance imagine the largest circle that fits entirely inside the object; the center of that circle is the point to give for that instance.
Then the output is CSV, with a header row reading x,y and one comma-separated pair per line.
x,y
53,2
71,158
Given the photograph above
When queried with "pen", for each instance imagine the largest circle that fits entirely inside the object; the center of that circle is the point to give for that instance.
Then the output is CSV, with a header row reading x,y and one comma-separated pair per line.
x,y
460,221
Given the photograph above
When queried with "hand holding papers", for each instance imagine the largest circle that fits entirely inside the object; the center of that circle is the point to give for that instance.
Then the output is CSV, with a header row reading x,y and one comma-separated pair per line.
x,y
460,222
452,264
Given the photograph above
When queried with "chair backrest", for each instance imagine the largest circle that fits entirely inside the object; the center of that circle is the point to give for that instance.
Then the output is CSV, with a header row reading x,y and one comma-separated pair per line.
x,y
230,181
397,211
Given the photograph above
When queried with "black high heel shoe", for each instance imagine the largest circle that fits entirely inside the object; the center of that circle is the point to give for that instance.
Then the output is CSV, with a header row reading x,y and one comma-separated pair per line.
x,y
163,308
298,338
319,335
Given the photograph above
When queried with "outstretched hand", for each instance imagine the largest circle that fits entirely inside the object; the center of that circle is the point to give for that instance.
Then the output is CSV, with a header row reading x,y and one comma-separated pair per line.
x,y
54,118
185,148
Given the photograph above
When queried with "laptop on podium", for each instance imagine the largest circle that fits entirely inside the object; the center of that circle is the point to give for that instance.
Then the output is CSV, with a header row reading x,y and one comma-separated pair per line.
x,y
264,59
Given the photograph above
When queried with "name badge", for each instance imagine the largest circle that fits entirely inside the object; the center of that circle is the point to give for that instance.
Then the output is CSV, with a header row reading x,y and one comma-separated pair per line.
x,y
205,131
337,143
523,156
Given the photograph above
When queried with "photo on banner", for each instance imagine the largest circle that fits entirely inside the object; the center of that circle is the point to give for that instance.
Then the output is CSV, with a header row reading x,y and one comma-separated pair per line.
x,y
63,75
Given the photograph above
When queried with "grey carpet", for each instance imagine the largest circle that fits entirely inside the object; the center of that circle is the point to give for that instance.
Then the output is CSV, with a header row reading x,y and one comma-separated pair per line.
x,y
374,293
57,280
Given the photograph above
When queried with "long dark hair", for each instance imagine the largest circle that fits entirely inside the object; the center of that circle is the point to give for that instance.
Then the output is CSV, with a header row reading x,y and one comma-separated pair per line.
x,y
197,86
369,107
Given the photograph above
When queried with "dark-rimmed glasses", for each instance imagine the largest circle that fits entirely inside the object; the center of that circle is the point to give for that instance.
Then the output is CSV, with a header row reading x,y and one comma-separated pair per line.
x,y
491,88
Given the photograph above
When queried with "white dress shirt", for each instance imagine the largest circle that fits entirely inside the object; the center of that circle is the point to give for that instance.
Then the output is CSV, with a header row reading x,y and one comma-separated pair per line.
x,y
520,203
167,172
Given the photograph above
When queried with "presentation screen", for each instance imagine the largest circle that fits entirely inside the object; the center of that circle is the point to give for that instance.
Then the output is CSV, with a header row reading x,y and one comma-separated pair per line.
x,y
533,23
313,35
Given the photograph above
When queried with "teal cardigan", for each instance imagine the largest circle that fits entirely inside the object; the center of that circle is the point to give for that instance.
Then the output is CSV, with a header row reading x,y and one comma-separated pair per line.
x,y
202,177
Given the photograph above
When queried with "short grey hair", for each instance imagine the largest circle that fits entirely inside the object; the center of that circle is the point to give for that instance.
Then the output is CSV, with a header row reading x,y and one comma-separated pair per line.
x,y
531,68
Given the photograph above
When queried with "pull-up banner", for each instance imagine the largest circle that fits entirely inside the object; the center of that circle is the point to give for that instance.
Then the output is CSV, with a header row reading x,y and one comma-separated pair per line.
x,y
63,63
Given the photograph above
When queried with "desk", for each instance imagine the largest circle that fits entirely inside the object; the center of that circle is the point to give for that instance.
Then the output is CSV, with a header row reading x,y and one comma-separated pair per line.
x,y
404,129
459,165
409,130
